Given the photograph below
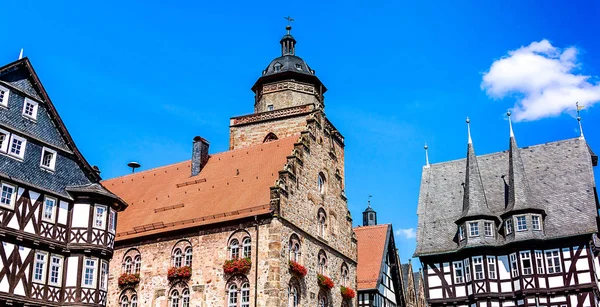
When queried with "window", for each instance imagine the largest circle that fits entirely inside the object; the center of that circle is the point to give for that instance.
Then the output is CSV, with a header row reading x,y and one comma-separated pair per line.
x,y
247,247
513,265
49,209
323,301
298,66
30,108
539,262
174,301
478,267
188,256
234,249
467,270
473,229
491,262
124,301
186,297
104,276
294,250
7,199
39,271
526,266
535,222
112,218
461,233
48,158
509,226
89,272
17,146
292,296
322,263
521,223
321,183
232,296
344,275
488,228
4,137
322,220
270,107
134,301
127,265
277,67
55,270
458,272
4,93
553,261
245,295
137,264
177,258
100,217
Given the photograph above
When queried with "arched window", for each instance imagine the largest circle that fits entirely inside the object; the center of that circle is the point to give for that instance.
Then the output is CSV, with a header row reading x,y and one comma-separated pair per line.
x,y
322,300
124,301
247,247
270,137
137,264
186,297
321,183
294,248
134,302
234,249
127,265
174,300
344,275
322,223
293,295
188,256
245,295
322,269
232,296
177,258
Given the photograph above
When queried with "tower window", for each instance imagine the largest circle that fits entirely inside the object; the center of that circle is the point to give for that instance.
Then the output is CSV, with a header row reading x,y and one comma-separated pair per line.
x,y
521,223
270,107
321,183
488,229
48,158
535,222
30,108
473,229
298,67
277,67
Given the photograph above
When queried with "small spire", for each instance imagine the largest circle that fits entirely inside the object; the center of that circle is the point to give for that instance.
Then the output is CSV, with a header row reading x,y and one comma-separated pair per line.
x,y
426,155
369,201
579,108
21,54
512,134
469,130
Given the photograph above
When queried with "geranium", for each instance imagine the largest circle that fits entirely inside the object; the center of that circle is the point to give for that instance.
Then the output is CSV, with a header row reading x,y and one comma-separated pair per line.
x,y
237,266
324,281
183,272
347,293
297,269
128,279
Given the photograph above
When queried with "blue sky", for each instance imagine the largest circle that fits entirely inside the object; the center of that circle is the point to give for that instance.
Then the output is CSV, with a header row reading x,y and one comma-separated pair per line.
x,y
136,80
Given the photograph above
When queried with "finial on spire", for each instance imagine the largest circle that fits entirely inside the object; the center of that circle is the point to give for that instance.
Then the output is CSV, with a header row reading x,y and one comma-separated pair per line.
x,y
289,24
426,155
579,108
21,54
512,134
469,130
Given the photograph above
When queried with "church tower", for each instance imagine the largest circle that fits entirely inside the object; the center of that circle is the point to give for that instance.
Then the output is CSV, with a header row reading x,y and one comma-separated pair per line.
x,y
369,216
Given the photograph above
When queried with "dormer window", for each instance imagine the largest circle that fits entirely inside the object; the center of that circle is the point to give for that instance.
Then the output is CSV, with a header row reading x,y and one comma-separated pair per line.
x,y
17,146
473,229
30,108
277,67
4,93
521,223
461,233
509,226
488,229
535,222
4,137
48,158
298,66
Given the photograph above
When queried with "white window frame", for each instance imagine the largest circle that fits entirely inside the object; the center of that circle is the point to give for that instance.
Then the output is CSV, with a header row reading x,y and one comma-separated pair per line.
x,y
60,270
35,108
52,161
104,275
21,154
104,215
247,247
13,196
490,228
521,227
112,219
473,226
44,263
509,226
458,267
514,268
6,142
52,217
467,267
526,256
4,101
461,233
539,222
491,266
478,270
94,268
539,261
551,266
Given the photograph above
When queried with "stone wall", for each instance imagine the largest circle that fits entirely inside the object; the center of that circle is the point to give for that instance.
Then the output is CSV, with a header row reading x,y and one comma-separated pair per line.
x,y
255,133
286,94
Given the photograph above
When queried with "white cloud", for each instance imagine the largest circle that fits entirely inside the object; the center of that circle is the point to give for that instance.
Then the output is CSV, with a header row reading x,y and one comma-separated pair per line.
x,y
543,79
407,233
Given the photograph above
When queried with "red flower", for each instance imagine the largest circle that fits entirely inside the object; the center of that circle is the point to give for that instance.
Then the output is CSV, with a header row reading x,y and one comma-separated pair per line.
x,y
237,266
183,272
297,269
347,293
128,279
324,281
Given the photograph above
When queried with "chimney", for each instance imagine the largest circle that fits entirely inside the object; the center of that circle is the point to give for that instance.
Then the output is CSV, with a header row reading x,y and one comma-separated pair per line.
x,y
199,154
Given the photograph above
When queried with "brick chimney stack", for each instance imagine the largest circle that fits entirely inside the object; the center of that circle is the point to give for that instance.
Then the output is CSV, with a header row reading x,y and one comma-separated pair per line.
x,y
199,154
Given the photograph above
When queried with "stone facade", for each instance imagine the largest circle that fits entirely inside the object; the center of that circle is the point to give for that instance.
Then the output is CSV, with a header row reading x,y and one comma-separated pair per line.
x,y
286,94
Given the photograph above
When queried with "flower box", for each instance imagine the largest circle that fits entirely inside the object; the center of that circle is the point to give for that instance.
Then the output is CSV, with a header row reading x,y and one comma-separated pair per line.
x,y
128,280
237,266
324,281
183,272
347,293
297,269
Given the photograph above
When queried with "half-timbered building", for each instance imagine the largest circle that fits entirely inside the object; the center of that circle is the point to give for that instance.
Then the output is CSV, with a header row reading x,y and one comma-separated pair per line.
x,y
57,223
511,228
378,277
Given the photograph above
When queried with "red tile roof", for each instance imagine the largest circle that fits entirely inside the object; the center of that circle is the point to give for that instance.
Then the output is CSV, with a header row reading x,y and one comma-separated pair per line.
x,y
371,246
232,184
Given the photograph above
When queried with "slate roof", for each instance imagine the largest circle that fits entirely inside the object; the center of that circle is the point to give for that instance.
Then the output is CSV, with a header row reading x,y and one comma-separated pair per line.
x,y
417,281
561,182
372,242
232,185
405,269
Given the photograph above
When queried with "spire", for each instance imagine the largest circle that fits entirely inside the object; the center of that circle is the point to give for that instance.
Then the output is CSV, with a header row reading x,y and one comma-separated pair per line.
x,y
426,155
21,54
512,134
579,108
288,43
474,201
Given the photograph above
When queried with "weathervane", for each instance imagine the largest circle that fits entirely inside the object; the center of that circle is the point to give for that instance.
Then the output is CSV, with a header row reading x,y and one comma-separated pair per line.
x,y
579,108
289,19
370,196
